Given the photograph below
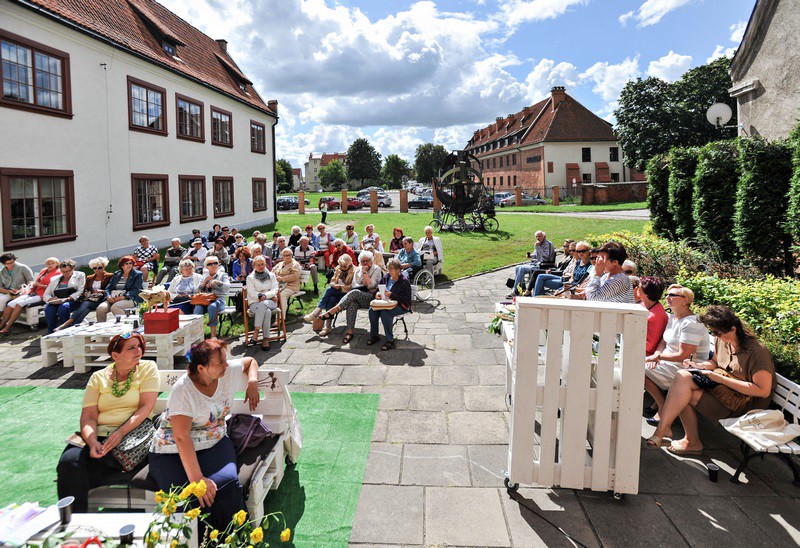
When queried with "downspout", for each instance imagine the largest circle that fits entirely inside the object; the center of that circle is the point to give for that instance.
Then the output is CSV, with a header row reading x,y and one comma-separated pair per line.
x,y
274,174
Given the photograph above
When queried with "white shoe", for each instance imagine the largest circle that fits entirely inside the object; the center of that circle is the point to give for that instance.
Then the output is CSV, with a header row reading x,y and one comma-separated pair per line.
x,y
325,331
309,318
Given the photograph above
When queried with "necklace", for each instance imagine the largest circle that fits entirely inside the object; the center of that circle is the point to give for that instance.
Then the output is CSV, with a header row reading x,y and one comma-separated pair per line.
x,y
115,389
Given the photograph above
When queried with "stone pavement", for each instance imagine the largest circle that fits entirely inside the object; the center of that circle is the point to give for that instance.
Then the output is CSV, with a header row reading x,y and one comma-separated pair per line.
x,y
434,475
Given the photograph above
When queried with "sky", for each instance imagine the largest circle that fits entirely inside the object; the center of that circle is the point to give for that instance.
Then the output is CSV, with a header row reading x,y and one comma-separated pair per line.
x,y
405,73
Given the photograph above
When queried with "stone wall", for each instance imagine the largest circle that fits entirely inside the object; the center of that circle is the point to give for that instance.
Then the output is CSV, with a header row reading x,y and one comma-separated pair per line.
x,y
611,193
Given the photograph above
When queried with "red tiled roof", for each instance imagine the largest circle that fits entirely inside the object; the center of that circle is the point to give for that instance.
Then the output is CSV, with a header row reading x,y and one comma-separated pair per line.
x,y
138,26
328,158
296,171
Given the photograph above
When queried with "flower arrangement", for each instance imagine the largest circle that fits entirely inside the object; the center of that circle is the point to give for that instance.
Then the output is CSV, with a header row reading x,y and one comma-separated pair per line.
x,y
243,532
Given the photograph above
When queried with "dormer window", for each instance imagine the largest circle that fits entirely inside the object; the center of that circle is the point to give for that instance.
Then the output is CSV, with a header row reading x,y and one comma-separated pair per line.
x,y
242,86
169,48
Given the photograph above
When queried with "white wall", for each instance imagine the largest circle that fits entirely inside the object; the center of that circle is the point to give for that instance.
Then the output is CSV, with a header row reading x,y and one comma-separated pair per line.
x,y
562,153
98,146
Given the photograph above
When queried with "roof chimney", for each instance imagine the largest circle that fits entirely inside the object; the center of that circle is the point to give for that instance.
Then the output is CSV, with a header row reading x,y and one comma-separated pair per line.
x,y
559,94
223,44
273,106
498,118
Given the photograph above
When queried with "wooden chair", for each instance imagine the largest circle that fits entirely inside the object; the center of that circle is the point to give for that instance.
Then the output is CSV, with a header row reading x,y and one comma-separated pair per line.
x,y
229,311
305,276
277,330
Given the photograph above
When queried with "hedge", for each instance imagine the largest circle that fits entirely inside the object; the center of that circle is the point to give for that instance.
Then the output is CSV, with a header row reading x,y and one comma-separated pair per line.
x,y
657,171
715,182
793,212
761,203
682,166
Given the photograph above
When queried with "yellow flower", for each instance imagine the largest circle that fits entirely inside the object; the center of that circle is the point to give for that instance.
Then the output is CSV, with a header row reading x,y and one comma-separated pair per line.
x,y
200,489
155,536
257,535
173,544
286,534
169,508
240,517
161,496
187,491
214,534
193,513
229,540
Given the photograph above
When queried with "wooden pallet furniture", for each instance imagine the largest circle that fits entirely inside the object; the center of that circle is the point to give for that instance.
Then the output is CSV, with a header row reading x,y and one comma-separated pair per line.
x,y
277,330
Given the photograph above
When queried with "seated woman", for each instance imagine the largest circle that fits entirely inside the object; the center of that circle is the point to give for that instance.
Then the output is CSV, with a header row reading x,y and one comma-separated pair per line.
x,y
214,233
294,238
305,254
287,272
649,293
242,265
117,399
197,254
313,239
34,296
430,245
396,243
371,238
172,258
184,286
340,284
122,290
683,338
94,292
147,257
262,299
365,285
13,276
63,294
553,274
377,258
398,288
191,443
220,252
216,281
409,258
350,238
750,385
325,244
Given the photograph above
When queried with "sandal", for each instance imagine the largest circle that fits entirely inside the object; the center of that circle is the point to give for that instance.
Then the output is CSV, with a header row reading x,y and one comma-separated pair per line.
x,y
328,315
347,338
388,345
373,340
265,346
684,452
654,442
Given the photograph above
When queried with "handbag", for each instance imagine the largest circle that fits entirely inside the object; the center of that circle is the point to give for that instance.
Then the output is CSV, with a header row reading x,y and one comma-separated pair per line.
x,y
382,304
730,398
133,448
246,430
203,299
510,283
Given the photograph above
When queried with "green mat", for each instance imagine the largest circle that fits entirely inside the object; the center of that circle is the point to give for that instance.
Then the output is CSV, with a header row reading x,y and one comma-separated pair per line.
x,y
318,496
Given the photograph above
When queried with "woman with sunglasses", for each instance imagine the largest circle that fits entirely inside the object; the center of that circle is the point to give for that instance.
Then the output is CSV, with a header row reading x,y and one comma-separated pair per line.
x,y
218,283
117,399
750,385
684,338
33,296
341,283
94,292
122,290
365,285
63,294
350,238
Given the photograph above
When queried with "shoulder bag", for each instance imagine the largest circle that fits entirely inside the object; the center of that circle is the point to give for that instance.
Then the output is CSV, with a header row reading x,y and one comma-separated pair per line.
x,y
203,299
246,430
133,448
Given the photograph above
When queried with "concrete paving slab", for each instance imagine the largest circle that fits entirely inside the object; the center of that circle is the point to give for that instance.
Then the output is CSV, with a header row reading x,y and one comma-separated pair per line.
x,y
778,517
774,472
337,390
471,428
417,427
408,375
487,463
392,397
389,514
464,517
711,521
436,398
381,426
317,374
492,375
455,375
454,342
363,374
442,465
485,398
348,356
658,474
477,356
384,463
695,471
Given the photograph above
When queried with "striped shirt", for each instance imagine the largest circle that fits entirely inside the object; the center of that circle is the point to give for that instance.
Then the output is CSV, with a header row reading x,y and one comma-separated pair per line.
x,y
614,289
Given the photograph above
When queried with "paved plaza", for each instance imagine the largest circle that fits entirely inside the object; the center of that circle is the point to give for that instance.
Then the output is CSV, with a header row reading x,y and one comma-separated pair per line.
x,y
435,472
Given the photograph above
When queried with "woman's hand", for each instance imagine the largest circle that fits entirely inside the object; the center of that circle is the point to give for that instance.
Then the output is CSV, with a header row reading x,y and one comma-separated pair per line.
x,y
251,395
111,442
96,449
651,364
211,492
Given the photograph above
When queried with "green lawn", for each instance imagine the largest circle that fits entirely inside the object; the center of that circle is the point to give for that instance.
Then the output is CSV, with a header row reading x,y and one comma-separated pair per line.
x,y
567,208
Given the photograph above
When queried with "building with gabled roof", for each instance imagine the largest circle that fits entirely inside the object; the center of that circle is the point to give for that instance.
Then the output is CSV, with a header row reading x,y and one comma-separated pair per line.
x,y
315,163
555,142
126,120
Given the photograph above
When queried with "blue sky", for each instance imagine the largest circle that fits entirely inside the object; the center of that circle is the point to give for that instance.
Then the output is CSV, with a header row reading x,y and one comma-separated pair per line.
x,y
403,73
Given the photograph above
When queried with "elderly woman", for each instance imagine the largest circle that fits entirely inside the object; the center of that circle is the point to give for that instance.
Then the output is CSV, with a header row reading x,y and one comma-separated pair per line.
x,y
122,290
431,245
243,265
409,257
365,285
684,338
649,294
340,284
13,276
340,249
287,272
218,283
94,292
262,299
117,399
377,258
184,286
396,243
220,252
350,238
398,288
197,254
305,254
32,296
146,256
214,233
325,244
62,294
294,239
371,238
191,443
744,374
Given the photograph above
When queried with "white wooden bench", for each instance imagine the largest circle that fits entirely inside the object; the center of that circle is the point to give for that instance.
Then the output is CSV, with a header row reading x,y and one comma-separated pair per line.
x,y
787,399
277,329
31,316
262,475
305,276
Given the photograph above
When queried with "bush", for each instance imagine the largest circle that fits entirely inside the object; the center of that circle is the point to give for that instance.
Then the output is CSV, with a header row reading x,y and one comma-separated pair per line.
x,y
682,165
759,221
715,183
793,213
658,196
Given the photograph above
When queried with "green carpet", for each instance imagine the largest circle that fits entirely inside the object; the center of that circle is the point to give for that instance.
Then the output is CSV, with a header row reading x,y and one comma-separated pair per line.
x,y
318,496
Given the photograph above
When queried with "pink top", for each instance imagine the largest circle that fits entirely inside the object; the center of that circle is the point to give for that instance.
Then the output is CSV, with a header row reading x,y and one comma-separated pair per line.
x,y
657,319
44,278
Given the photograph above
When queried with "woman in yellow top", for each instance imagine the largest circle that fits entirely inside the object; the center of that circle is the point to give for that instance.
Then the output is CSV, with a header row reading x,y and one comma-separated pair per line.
x,y
117,399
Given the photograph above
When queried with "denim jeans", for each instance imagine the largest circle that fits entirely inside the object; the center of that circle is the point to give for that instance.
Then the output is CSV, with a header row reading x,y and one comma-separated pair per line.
x,y
56,314
83,310
330,298
387,319
550,281
212,310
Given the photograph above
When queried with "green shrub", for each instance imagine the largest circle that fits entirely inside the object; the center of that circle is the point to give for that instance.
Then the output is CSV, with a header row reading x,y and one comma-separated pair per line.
x,y
793,212
759,221
715,182
658,196
682,166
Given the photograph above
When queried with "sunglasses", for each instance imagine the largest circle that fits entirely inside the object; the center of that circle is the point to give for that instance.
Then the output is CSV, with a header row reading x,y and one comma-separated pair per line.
x,y
673,295
212,264
628,271
592,258
97,268
714,332
581,251
125,336
365,261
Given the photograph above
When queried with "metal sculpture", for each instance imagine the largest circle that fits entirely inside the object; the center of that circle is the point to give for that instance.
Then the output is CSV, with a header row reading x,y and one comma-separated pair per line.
x,y
466,203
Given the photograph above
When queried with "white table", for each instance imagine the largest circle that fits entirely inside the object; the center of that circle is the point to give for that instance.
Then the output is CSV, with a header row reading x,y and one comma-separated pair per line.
x,y
80,346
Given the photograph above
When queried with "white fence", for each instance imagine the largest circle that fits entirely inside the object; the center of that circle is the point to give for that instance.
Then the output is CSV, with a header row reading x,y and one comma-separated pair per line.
x,y
576,406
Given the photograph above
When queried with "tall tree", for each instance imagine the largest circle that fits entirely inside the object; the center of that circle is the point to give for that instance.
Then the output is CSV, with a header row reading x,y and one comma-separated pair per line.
x,y
394,168
285,181
427,161
363,162
333,176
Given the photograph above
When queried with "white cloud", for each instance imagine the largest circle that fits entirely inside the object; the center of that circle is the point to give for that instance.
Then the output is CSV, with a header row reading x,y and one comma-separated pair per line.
x,y
517,12
609,79
547,74
721,51
737,31
652,11
670,67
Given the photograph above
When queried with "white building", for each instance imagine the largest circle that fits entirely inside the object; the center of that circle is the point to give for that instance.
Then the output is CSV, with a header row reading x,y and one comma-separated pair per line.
x,y
121,119
315,163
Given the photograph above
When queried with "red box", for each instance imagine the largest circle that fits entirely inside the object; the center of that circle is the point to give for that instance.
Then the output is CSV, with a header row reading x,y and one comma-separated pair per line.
x,y
159,322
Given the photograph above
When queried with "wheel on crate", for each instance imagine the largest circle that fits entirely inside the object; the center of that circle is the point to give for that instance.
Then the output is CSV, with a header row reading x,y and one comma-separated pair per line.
x,y
425,283
510,487
490,224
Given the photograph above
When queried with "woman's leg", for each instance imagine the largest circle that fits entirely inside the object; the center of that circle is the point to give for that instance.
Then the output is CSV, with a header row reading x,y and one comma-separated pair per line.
x,y
359,301
64,311
373,322
680,395
51,315
387,318
119,307
102,311
219,465
545,280
77,473
655,392
83,310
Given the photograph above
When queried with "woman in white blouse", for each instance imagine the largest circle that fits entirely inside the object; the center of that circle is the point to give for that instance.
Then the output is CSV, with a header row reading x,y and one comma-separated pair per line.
x,y
184,286
262,299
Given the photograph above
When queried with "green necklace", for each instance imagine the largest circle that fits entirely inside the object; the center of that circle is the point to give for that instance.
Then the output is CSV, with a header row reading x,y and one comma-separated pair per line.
x,y
115,389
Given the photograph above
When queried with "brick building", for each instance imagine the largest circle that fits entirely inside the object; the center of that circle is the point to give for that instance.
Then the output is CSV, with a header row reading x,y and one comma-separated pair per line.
x,y
556,142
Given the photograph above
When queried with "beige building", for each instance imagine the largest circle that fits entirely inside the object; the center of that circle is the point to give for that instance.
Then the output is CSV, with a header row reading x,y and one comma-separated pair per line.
x,y
764,71
315,163
297,178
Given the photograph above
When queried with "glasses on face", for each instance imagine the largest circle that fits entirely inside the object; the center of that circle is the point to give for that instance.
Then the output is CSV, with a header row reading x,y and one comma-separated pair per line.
x,y
714,332
128,263
365,261
97,268
212,264
9,263
673,295
629,272
65,267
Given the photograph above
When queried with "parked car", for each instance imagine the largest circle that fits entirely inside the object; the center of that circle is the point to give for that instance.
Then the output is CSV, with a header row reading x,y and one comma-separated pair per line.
x,y
354,203
526,200
287,203
384,200
421,202
333,203
500,196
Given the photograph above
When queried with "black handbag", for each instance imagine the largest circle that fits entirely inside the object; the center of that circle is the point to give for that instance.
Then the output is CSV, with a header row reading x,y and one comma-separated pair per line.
x,y
133,448
63,293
